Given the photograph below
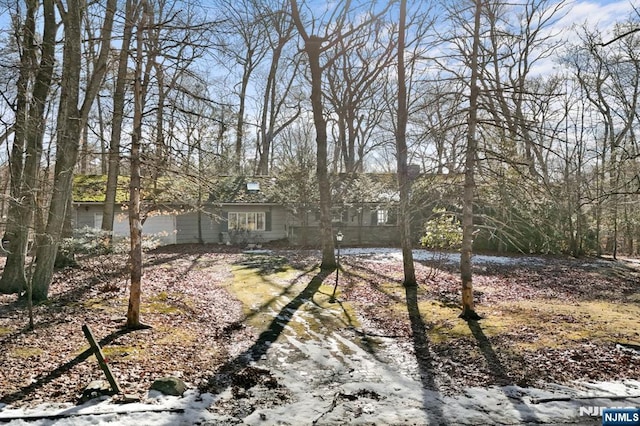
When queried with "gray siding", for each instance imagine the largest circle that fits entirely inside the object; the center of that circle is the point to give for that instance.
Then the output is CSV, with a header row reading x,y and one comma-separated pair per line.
x,y
214,225
85,216
350,217
371,235
358,228
187,227
277,220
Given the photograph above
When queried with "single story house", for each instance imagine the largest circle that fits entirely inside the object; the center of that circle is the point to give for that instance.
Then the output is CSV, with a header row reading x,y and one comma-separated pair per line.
x,y
254,210
237,211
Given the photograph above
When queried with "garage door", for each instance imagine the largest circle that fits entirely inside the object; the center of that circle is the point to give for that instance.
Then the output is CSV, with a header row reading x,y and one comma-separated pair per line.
x,y
161,227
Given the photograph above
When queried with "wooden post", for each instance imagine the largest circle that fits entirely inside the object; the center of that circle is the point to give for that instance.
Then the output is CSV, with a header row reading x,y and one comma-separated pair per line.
x,y
101,361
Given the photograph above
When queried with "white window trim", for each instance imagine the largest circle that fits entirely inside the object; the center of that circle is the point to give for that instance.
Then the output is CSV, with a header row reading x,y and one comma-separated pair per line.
x,y
382,216
242,221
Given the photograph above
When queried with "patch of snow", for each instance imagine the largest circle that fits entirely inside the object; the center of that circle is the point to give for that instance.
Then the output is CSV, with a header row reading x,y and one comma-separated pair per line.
x,y
399,402
383,255
333,379
257,251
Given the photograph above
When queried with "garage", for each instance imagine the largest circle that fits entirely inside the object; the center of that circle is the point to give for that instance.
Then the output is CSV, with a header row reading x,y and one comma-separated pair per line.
x,y
161,227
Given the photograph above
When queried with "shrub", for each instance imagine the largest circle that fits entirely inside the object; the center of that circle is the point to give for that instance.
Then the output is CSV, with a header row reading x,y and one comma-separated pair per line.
x,y
443,232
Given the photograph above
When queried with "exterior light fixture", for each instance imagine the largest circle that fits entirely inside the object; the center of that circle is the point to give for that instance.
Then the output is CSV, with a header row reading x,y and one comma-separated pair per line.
x,y
339,238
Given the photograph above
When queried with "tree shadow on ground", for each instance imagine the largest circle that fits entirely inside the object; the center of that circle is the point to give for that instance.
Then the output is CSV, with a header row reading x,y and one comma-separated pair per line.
x,y
374,278
285,291
432,403
62,369
498,370
264,264
223,377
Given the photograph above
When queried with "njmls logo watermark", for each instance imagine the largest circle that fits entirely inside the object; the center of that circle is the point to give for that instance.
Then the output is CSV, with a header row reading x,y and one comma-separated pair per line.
x,y
614,416
595,411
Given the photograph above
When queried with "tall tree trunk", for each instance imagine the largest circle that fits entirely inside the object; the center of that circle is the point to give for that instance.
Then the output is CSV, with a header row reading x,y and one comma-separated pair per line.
x,y
404,183
132,11
201,188
313,48
239,148
135,222
266,121
103,142
29,134
70,122
468,308
84,149
13,277
68,137
269,127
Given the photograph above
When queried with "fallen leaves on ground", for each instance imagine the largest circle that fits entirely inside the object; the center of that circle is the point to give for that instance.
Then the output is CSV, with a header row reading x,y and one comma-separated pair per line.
x,y
198,326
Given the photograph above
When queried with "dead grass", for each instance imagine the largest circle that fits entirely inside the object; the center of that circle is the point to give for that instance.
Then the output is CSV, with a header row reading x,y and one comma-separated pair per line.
x,y
555,322
560,321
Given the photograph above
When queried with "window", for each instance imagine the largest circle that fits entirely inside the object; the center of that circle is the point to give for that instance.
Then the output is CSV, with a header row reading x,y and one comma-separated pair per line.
x,y
339,214
383,216
247,221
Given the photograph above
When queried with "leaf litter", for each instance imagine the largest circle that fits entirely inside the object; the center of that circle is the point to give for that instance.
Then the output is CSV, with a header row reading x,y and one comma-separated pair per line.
x,y
198,327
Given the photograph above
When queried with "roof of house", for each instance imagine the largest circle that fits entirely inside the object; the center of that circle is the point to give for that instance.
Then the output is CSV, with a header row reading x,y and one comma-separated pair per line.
x,y
362,188
243,189
163,190
374,188
92,189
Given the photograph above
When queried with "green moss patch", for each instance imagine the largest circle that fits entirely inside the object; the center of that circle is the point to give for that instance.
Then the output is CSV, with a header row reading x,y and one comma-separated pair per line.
x,y
122,352
171,336
265,296
536,324
92,188
166,304
111,306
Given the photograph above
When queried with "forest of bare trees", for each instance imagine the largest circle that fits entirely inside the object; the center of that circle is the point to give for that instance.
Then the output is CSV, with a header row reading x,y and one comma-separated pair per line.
x,y
539,116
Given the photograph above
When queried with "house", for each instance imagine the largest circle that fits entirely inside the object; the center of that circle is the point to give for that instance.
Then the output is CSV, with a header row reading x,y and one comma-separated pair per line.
x,y
365,207
255,210
237,211
88,205
364,210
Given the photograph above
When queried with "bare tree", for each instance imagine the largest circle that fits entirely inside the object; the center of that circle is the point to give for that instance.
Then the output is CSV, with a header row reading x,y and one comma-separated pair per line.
x,y
471,60
610,78
279,106
167,44
140,87
336,29
132,11
438,126
244,42
314,49
70,122
354,83
512,52
404,179
29,128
